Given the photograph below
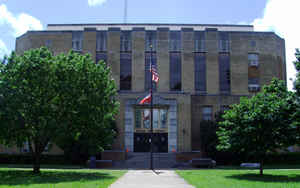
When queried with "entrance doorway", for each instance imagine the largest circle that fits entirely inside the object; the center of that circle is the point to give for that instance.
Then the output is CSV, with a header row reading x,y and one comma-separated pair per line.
x,y
142,142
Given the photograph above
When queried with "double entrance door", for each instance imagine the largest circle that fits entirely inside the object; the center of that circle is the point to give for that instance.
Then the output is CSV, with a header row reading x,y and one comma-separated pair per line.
x,y
142,142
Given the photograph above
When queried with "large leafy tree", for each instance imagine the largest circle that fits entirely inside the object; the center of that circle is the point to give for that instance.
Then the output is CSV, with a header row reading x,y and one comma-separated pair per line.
x,y
261,124
297,94
44,98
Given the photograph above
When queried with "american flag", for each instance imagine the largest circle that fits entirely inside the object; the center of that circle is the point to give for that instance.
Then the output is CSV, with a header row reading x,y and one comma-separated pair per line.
x,y
154,72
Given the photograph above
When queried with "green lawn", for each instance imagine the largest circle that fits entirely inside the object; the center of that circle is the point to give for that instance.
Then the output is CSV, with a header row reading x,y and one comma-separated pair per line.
x,y
57,178
225,178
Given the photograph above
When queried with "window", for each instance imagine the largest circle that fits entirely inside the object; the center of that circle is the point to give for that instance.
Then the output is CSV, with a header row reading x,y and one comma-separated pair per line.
x,y
47,147
199,38
175,71
125,71
253,81
207,113
48,44
200,72
224,72
25,147
223,42
125,43
148,75
150,40
253,60
175,41
101,56
77,38
143,118
101,41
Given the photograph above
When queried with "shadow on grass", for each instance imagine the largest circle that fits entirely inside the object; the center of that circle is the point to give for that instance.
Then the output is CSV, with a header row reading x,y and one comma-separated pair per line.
x,y
24,177
267,177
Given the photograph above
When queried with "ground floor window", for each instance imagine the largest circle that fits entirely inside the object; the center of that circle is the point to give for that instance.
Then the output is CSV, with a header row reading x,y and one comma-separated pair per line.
x,y
143,118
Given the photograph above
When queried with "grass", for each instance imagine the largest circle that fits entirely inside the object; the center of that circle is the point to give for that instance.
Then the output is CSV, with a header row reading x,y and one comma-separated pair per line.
x,y
226,178
57,178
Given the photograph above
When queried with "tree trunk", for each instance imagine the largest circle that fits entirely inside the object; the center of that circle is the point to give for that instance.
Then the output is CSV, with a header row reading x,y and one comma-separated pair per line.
x,y
36,163
261,170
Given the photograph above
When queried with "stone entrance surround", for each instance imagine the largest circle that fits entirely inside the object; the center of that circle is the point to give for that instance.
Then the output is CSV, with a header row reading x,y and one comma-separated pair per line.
x,y
172,121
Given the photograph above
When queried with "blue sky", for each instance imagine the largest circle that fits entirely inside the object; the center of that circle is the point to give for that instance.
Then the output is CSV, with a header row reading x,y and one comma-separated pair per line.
x,y
280,16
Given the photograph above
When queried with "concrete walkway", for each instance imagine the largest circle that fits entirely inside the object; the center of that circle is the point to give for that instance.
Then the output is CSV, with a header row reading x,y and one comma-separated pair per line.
x,y
150,179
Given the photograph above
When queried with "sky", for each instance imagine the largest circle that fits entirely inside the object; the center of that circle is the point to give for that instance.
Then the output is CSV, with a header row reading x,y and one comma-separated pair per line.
x,y
279,16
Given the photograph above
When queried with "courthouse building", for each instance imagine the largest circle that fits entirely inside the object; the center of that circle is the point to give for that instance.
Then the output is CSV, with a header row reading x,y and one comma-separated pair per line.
x,y
202,70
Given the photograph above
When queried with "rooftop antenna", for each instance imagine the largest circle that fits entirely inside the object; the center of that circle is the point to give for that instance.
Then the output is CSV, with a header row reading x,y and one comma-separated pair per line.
x,y
125,12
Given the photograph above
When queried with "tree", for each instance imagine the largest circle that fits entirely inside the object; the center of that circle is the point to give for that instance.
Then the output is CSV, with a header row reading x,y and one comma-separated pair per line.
x,y
296,114
43,98
261,124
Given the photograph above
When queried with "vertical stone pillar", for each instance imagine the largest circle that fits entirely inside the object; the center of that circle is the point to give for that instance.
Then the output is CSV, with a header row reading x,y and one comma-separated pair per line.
x,y
187,64
89,42
172,129
129,125
163,60
138,59
212,61
113,53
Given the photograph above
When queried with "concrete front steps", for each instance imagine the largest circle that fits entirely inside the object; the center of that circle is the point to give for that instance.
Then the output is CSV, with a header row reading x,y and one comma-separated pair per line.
x,y
142,161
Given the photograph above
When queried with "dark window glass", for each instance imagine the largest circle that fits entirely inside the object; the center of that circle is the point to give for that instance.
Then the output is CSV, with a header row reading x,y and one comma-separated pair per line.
x,y
101,44
175,41
125,71
101,57
207,113
148,75
200,72
199,38
254,81
175,71
77,38
223,42
125,43
150,40
138,118
224,72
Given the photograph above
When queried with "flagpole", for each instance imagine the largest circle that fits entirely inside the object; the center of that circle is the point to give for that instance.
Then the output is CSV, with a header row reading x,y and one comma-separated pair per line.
x,y
151,112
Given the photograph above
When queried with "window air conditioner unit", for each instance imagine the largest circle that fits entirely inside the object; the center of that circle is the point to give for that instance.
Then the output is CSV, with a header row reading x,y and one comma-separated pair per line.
x,y
254,63
253,87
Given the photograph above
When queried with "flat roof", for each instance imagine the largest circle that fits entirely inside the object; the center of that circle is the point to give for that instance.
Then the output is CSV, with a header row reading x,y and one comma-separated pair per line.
x,y
148,26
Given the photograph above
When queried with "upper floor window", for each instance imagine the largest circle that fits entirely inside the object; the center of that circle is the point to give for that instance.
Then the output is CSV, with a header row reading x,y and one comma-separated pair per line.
x,y
150,40
101,57
224,72
175,41
199,39
207,113
77,38
223,42
253,60
125,71
175,71
125,41
200,72
101,39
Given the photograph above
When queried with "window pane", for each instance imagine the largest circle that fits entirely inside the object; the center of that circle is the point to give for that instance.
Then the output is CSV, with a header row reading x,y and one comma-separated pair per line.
x,y
77,37
138,118
207,113
150,40
175,41
163,118
125,71
146,118
101,41
224,72
175,71
155,118
200,72
199,41
125,43
223,41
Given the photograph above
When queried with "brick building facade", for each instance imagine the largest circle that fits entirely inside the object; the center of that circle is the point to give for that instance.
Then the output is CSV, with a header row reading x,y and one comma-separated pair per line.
x,y
202,68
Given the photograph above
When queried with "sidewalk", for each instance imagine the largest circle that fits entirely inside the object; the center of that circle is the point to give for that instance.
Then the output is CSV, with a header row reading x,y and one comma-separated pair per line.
x,y
150,179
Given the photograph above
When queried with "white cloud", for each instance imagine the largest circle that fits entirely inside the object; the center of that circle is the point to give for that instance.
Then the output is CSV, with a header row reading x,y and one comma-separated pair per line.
x,y
3,49
282,17
96,2
19,23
